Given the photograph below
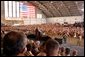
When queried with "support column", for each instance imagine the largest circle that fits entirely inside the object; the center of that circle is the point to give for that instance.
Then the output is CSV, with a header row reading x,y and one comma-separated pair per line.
x,y
2,12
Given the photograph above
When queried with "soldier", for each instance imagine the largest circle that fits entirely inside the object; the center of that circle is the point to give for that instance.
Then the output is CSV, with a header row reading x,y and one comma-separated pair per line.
x,y
79,40
64,38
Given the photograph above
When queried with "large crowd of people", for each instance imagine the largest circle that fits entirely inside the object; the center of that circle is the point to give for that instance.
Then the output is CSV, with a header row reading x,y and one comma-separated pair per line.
x,y
49,29
17,44
15,40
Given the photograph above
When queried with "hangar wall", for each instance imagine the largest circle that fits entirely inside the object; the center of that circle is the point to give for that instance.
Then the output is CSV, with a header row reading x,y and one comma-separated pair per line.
x,y
61,20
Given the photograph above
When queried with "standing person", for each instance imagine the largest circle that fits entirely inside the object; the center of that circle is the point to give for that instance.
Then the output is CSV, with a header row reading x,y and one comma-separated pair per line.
x,y
38,33
52,47
62,51
14,44
64,38
67,51
79,40
29,48
74,53
42,54
75,35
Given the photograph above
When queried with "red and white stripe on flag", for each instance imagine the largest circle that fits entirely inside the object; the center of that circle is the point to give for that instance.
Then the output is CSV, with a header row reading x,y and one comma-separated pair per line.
x,y
31,11
27,11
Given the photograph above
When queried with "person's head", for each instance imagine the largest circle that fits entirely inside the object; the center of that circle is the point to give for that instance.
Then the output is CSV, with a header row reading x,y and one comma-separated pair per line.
x,y
52,47
62,51
29,47
67,51
14,43
42,47
41,54
37,43
74,53
31,41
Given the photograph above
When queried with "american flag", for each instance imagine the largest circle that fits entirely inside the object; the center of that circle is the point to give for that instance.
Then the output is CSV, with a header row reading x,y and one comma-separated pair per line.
x,y
27,11
31,11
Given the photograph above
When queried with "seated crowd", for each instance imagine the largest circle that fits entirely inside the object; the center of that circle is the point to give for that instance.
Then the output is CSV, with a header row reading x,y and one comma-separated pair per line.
x,y
16,43
49,29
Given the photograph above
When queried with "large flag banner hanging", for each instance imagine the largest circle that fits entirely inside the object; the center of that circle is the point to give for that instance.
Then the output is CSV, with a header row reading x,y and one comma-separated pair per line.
x,y
31,11
24,11
27,11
